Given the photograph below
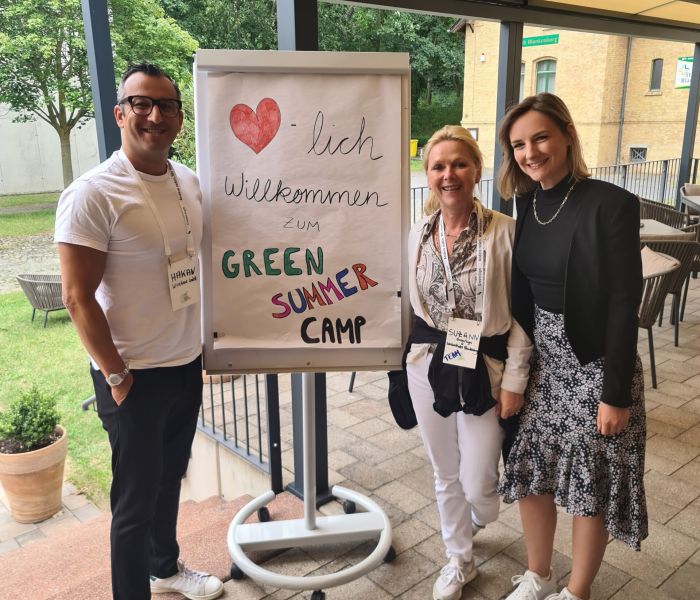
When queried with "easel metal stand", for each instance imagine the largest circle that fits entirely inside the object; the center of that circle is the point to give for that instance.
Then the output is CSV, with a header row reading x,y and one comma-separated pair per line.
x,y
312,530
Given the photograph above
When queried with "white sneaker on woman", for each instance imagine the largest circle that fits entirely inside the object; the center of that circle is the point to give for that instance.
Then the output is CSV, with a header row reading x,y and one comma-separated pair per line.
x,y
532,587
453,577
565,594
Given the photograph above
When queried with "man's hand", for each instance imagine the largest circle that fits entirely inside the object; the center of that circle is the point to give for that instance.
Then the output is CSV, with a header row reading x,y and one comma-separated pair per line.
x,y
611,419
509,404
120,392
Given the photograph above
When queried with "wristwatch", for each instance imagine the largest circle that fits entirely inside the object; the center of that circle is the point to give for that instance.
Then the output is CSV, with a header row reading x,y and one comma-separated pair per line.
x,y
115,379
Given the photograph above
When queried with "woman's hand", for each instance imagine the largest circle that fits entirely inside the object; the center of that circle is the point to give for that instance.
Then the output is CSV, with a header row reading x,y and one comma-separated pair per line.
x,y
509,404
612,419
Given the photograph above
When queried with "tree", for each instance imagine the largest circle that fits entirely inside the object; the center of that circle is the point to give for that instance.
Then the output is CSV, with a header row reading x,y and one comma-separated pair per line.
x,y
222,24
437,56
43,58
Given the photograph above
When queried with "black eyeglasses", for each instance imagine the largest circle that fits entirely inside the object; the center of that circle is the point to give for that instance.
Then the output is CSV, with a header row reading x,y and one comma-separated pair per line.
x,y
143,105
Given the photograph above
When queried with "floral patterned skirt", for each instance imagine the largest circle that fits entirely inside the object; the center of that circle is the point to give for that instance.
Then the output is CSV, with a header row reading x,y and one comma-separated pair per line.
x,y
558,449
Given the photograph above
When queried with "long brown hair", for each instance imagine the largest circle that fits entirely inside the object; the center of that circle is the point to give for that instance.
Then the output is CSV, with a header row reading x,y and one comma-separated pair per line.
x,y
511,179
449,133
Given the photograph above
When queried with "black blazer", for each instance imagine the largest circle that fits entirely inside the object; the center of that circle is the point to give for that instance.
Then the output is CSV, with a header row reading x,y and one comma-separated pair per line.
x,y
603,283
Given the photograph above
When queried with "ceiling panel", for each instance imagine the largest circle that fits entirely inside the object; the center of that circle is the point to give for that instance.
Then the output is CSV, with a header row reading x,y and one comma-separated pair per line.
x,y
623,6
675,11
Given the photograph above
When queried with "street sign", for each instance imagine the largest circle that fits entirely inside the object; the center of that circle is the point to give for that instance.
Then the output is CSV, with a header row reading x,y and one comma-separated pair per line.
x,y
541,40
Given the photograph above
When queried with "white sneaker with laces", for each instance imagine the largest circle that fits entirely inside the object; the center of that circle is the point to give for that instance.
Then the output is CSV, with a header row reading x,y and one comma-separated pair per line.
x,y
565,594
532,587
194,585
453,577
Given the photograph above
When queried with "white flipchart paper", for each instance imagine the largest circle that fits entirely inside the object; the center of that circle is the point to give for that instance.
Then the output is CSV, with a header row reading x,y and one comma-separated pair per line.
x,y
305,221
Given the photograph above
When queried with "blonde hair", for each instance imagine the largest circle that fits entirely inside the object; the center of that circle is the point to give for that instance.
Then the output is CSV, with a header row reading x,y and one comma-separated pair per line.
x,y
449,133
511,179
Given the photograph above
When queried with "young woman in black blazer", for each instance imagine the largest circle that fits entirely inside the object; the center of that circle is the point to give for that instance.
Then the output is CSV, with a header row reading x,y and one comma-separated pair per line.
x,y
576,288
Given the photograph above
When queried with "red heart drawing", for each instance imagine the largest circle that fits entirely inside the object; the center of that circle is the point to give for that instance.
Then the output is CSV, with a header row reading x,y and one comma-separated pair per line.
x,y
256,129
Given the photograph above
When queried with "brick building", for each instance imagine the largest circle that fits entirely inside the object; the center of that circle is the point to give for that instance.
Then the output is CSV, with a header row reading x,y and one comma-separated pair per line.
x,y
590,72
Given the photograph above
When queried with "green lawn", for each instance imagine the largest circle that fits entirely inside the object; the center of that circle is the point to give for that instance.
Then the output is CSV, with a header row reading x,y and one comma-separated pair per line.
x,y
23,199
416,165
54,360
29,223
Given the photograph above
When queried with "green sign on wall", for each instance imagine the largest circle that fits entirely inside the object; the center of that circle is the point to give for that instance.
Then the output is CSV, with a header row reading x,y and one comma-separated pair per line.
x,y
541,40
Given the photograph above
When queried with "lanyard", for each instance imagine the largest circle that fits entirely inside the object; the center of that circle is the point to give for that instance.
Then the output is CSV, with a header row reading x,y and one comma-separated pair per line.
x,y
149,200
479,303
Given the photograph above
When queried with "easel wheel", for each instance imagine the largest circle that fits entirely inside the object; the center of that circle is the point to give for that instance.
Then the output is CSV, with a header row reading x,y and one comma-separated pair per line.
x,y
263,514
236,572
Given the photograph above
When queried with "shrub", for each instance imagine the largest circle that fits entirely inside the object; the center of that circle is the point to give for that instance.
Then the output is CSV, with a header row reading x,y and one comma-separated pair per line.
x,y
425,120
30,420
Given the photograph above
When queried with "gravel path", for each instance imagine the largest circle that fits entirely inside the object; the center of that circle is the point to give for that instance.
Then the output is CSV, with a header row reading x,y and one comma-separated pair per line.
x,y
29,254
25,208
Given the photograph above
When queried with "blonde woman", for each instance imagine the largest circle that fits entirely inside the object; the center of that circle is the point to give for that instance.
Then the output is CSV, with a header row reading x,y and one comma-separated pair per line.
x,y
460,259
577,283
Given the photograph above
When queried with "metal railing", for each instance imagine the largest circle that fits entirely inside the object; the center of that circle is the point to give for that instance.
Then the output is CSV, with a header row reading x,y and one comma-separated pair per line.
x,y
242,413
655,180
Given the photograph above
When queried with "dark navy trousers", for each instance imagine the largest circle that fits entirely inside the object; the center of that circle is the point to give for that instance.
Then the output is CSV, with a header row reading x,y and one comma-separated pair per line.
x,y
151,435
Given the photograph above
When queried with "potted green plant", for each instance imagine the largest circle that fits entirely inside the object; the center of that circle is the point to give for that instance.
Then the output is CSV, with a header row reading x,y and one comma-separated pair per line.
x,y
33,449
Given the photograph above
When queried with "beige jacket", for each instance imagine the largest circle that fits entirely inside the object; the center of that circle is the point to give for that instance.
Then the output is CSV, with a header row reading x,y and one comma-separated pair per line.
x,y
498,245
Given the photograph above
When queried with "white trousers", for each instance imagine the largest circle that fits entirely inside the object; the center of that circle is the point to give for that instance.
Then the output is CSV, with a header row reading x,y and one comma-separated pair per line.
x,y
464,451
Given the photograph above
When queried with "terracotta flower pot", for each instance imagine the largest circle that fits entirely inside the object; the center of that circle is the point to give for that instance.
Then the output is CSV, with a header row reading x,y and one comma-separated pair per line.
x,y
33,480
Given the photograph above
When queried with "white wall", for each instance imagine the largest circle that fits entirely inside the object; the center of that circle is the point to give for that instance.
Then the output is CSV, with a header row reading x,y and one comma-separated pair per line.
x,y
30,154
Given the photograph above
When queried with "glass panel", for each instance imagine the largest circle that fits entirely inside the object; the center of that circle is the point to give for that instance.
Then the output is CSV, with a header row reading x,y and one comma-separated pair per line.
x,y
657,67
546,73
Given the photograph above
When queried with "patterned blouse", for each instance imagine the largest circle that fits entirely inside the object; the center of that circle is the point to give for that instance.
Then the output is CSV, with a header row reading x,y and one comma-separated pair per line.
x,y
430,273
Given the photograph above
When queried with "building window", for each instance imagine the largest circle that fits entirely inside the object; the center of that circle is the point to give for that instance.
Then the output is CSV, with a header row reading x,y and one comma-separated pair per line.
x,y
521,93
657,67
638,154
546,73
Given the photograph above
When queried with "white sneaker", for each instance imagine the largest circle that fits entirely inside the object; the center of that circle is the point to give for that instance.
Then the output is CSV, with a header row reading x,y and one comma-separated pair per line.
x,y
565,594
453,577
532,587
476,528
194,585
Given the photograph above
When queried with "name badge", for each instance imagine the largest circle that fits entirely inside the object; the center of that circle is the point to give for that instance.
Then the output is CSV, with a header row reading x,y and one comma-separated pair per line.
x,y
183,281
463,336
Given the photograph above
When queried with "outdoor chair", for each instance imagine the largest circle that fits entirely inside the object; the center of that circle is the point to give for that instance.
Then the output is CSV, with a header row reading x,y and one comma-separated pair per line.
x,y
656,288
686,252
43,292
648,209
695,229
690,189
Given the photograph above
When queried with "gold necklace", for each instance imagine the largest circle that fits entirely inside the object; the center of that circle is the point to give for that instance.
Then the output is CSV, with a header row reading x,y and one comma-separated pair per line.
x,y
556,214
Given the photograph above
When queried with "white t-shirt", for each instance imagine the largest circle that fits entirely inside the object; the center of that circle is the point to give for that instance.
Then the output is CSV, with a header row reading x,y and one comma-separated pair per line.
x,y
105,209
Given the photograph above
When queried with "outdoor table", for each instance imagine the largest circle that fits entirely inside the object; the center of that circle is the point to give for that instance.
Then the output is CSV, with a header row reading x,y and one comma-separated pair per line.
x,y
651,229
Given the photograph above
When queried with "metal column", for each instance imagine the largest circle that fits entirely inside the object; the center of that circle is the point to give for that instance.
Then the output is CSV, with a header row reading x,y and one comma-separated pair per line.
x,y
323,493
102,80
297,24
691,123
510,50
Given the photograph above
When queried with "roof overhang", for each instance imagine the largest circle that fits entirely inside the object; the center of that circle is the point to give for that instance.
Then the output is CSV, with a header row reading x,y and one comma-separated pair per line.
x,y
677,20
